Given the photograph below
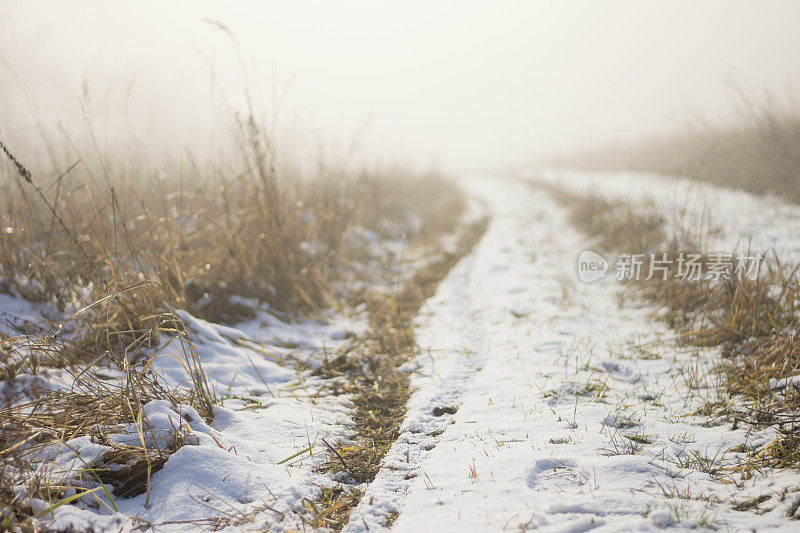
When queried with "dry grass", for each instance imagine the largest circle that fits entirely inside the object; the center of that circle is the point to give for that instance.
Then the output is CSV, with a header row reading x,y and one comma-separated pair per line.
x,y
110,249
36,418
194,241
759,152
753,321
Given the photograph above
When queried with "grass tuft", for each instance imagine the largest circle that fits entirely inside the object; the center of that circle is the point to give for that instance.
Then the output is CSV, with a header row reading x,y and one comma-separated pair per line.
x,y
753,322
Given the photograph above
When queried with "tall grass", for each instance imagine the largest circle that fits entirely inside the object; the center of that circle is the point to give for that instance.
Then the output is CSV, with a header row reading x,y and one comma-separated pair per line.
x,y
111,246
758,151
141,240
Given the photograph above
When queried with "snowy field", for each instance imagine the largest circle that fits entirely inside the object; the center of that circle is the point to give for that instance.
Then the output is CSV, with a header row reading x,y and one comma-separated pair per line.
x,y
539,402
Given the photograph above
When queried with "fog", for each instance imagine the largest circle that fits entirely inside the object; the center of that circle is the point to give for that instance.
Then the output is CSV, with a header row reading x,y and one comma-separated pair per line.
x,y
466,86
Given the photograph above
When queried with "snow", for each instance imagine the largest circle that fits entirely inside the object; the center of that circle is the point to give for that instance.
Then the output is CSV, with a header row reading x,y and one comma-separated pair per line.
x,y
737,219
256,462
17,315
551,380
538,401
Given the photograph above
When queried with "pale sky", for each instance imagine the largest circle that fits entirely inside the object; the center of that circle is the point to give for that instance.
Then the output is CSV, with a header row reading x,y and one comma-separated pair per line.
x,y
466,85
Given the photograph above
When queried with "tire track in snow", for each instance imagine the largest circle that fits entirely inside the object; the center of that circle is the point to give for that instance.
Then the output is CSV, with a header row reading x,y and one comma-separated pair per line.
x,y
442,377
449,360
551,379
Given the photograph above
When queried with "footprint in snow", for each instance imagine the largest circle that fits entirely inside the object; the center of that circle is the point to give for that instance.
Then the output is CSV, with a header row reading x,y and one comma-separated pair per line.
x,y
552,472
621,372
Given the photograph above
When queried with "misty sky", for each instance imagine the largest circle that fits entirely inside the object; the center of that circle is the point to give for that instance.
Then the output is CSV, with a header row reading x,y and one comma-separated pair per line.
x,y
465,85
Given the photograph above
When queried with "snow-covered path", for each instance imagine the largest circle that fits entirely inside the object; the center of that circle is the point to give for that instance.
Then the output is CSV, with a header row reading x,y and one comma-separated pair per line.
x,y
540,402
